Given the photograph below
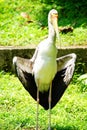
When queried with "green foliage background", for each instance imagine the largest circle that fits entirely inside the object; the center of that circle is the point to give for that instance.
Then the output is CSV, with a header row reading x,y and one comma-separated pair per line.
x,y
15,31
71,11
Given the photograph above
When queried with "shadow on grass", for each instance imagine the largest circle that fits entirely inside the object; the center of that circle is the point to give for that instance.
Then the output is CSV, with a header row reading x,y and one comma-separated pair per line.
x,y
57,127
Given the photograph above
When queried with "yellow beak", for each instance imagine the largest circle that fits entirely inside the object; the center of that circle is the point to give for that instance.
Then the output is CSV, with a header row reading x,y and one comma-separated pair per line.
x,y
54,19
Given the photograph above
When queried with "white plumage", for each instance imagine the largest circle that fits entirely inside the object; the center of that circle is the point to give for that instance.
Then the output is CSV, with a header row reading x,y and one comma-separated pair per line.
x,y
45,65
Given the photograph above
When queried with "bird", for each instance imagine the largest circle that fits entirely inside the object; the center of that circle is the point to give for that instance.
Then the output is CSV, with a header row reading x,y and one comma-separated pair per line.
x,y
45,76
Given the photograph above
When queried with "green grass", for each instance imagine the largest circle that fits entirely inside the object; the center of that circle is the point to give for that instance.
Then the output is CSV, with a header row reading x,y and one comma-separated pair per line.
x,y
77,38
18,109
15,31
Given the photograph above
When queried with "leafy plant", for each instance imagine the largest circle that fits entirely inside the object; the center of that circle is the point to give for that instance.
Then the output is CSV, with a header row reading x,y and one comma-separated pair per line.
x,y
82,82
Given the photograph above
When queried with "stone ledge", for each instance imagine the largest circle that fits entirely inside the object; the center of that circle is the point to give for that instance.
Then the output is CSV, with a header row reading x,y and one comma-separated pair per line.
x,y
7,54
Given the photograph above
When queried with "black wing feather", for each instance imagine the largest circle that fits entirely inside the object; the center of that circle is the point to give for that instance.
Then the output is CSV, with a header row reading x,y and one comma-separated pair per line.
x,y
66,65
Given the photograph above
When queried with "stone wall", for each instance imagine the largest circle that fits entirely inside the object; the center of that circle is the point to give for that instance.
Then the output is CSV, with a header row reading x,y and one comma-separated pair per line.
x,y
7,54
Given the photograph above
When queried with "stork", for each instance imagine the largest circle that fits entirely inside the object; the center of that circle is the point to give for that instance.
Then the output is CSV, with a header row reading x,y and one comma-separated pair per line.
x,y
45,76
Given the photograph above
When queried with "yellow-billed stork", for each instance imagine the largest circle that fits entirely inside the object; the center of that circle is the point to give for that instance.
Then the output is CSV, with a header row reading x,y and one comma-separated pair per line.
x,y
45,76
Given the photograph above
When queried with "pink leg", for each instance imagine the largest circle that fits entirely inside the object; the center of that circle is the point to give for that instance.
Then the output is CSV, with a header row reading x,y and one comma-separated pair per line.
x,y
37,107
50,94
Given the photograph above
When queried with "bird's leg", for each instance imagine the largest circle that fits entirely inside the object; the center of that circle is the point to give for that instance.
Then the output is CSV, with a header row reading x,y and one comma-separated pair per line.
x,y
37,106
50,94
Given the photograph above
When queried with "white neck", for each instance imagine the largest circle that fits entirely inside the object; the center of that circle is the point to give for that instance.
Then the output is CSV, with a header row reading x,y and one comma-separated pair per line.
x,y
52,33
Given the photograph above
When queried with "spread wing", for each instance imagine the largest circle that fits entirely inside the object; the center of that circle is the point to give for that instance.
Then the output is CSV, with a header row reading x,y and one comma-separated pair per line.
x,y
65,69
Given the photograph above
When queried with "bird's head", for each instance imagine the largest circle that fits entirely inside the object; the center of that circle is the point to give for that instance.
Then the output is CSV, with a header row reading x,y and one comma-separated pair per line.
x,y
53,19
